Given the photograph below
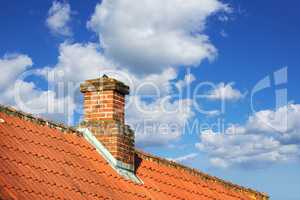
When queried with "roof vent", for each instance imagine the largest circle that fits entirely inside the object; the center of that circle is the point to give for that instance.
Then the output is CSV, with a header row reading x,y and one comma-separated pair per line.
x,y
2,120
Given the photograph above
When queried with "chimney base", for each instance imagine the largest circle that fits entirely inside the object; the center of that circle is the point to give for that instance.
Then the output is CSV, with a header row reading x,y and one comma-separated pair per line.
x,y
124,169
116,137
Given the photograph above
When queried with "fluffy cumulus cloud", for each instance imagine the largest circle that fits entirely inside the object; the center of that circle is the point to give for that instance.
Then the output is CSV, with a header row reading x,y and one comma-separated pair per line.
x,y
141,47
59,17
149,35
159,122
78,62
268,137
224,92
17,92
155,115
12,65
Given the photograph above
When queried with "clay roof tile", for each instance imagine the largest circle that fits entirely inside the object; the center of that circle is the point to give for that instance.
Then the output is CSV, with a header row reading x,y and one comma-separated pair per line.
x,y
41,159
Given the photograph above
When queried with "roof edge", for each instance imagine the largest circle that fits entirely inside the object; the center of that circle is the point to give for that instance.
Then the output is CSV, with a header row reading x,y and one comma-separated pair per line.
x,y
11,111
200,174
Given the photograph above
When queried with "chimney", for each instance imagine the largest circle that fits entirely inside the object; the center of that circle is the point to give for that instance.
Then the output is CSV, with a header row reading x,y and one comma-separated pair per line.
x,y
104,102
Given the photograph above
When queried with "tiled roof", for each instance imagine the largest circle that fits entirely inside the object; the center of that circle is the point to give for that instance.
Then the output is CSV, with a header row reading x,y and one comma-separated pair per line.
x,y
43,160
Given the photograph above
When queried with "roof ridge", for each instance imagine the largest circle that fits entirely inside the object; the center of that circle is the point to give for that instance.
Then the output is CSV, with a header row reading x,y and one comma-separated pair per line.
x,y
9,110
197,172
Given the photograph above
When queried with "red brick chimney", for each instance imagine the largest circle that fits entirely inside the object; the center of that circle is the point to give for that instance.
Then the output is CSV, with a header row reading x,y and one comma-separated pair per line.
x,y
104,102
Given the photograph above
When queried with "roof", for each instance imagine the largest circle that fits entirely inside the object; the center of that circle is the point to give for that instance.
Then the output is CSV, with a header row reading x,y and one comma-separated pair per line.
x,y
44,160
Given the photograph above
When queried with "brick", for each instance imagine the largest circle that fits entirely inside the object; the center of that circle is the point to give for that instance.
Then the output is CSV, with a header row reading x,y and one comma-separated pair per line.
x,y
104,109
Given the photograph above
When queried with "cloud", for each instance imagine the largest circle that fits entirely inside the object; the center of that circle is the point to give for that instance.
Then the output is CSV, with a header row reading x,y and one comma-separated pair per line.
x,y
12,65
265,139
159,122
17,92
185,158
224,92
149,35
78,62
59,17
141,47
148,45
285,121
157,117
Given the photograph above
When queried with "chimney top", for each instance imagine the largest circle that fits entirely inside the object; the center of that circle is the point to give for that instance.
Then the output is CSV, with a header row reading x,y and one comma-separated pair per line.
x,y
103,84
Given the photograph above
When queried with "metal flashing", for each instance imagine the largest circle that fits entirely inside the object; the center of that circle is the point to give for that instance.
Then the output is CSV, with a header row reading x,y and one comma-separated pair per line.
x,y
125,170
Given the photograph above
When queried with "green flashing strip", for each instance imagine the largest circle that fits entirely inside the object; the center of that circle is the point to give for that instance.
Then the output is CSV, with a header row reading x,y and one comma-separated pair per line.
x,y
125,170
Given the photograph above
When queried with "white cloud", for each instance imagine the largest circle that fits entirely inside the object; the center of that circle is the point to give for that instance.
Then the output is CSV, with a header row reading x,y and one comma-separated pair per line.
x,y
45,103
59,17
148,44
156,121
141,47
11,66
285,121
224,92
15,91
149,35
264,139
159,122
78,62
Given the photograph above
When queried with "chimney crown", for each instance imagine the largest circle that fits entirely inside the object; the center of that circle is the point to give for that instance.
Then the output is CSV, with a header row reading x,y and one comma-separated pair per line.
x,y
104,84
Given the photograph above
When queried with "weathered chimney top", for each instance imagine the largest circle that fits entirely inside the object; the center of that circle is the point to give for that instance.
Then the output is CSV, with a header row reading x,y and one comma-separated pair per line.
x,y
103,84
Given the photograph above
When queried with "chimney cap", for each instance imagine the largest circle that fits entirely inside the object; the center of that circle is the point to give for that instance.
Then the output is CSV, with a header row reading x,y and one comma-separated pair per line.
x,y
103,84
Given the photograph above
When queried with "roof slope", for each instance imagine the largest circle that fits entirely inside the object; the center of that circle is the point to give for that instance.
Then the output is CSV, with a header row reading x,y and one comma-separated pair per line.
x,y
43,160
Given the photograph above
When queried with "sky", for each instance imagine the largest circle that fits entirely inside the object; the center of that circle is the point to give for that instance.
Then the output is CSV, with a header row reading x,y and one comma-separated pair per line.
x,y
213,83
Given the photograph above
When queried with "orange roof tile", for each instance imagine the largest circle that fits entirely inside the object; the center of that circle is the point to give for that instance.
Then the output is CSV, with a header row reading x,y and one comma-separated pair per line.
x,y
43,160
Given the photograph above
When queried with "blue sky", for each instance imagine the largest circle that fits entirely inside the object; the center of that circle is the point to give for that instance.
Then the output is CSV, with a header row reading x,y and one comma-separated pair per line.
x,y
248,41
